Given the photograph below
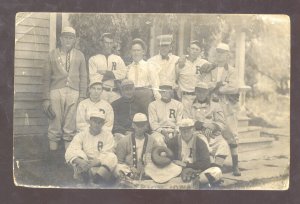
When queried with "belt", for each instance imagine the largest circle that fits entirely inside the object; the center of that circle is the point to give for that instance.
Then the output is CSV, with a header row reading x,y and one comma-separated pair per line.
x,y
188,93
143,87
110,89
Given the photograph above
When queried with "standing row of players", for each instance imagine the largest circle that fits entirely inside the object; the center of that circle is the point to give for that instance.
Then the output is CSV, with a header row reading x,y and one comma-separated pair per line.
x,y
131,110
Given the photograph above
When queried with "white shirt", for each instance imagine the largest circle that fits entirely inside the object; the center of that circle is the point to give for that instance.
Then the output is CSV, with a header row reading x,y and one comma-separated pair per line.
x,y
144,75
190,75
165,69
186,151
86,107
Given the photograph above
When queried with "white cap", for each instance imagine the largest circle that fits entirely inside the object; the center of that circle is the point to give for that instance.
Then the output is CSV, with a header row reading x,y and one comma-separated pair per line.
x,y
165,39
140,117
95,79
97,114
186,122
202,85
68,30
223,46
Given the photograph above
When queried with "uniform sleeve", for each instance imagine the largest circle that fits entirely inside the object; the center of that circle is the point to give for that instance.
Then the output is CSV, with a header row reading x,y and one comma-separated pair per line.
x,y
109,118
83,77
121,150
231,87
47,79
109,146
154,80
121,71
117,128
153,119
75,149
92,68
81,123
219,117
179,112
202,155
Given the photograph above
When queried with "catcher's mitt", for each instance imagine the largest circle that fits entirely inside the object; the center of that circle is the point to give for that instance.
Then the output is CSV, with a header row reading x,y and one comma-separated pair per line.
x,y
161,156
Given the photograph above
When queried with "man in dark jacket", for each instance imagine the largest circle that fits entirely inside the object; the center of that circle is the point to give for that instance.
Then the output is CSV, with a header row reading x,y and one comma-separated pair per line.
x,y
124,109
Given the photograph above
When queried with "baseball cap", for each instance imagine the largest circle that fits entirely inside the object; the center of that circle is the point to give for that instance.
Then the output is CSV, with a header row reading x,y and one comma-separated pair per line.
x,y
97,114
186,122
202,85
107,35
165,39
127,82
140,42
195,42
68,30
223,47
140,117
95,80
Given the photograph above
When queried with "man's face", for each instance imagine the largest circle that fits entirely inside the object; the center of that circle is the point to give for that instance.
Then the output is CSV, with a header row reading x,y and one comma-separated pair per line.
x,y
96,125
67,41
166,95
137,52
164,49
140,127
107,45
95,92
186,133
128,91
222,57
201,94
194,51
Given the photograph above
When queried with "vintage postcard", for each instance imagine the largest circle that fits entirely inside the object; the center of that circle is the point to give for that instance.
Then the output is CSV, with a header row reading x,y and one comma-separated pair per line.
x,y
152,101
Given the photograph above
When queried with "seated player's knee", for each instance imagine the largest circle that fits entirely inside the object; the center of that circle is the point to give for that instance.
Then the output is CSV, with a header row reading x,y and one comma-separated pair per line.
x,y
210,176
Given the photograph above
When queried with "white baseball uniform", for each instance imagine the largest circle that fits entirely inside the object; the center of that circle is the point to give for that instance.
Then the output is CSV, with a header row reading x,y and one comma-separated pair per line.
x,y
89,147
114,63
86,107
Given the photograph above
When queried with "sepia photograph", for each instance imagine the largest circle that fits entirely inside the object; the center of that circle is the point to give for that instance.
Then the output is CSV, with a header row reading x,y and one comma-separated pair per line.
x,y
152,101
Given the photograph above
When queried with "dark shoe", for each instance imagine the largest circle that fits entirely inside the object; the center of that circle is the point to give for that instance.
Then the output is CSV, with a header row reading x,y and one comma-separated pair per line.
x,y
236,171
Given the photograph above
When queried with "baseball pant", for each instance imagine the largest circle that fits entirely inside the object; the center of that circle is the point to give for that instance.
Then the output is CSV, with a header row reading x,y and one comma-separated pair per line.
x,y
230,133
64,104
187,102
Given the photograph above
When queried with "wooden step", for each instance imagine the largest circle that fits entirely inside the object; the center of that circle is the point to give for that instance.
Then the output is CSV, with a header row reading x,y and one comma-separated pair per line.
x,y
253,144
249,132
243,121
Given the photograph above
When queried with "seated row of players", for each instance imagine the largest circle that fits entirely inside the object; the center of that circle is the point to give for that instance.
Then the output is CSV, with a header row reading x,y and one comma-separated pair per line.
x,y
194,146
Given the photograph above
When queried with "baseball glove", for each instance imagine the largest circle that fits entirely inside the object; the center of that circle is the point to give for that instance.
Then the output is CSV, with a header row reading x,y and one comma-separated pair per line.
x,y
189,174
161,156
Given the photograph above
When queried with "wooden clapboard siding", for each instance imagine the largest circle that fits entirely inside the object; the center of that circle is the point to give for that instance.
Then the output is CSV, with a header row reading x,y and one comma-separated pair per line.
x,y
32,46
31,51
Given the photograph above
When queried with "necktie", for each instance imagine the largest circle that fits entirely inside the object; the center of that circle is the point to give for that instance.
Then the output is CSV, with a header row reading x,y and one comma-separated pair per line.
x,y
68,61
136,73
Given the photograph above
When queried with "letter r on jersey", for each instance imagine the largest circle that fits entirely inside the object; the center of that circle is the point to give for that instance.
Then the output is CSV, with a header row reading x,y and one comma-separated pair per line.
x,y
198,70
172,113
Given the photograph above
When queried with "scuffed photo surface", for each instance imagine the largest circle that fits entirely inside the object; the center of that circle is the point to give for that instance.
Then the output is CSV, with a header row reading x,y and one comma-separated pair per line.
x,y
152,101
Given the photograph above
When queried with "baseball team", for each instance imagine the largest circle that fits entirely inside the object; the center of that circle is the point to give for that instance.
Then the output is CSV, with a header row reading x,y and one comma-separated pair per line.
x,y
154,119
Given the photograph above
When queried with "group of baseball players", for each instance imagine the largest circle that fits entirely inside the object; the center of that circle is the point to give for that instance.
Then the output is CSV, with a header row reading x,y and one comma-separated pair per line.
x,y
158,119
